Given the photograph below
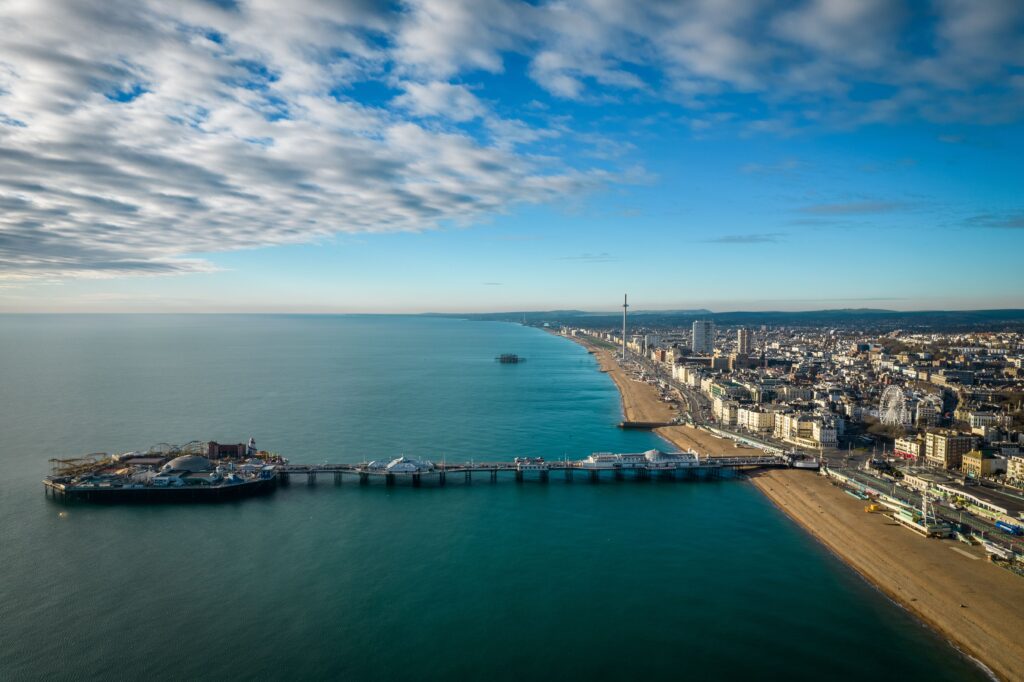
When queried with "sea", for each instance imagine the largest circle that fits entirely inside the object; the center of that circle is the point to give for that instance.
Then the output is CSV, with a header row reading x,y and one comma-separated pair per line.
x,y
505,581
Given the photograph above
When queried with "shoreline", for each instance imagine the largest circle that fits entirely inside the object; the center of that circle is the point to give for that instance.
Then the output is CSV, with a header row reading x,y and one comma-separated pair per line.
x,y
979,636
948,586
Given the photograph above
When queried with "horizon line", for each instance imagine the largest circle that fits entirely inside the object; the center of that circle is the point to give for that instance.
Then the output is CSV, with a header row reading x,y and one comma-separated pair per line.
x,y
436,313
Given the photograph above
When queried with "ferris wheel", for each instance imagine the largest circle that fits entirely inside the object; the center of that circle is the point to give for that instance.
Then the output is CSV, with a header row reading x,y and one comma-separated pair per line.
x,y
894,410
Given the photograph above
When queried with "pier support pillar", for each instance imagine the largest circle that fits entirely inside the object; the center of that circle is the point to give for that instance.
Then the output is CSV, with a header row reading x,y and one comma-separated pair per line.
x,y
440,478
594,476
415,480
494,475
469,476
544,476
568,474
519,476
364,478
619,475
311,478
389,479
337,478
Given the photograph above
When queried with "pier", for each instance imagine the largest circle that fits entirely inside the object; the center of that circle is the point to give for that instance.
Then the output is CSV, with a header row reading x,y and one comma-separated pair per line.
x,y
417,473
182,474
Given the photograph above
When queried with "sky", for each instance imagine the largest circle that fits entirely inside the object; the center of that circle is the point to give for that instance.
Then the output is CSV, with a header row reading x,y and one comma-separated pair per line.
x,y
491,155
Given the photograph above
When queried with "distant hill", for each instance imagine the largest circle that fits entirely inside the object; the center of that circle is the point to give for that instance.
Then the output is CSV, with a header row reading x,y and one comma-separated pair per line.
x,y
939,320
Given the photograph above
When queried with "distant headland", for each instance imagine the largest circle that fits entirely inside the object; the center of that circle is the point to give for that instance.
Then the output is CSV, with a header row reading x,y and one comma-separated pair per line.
x,y
950,320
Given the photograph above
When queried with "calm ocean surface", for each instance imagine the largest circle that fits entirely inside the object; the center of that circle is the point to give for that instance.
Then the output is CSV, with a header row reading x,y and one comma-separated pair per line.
x,y
517,582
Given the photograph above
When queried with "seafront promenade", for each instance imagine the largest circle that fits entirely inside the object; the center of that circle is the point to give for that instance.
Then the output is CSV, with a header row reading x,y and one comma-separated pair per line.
x,y
948,585
642,404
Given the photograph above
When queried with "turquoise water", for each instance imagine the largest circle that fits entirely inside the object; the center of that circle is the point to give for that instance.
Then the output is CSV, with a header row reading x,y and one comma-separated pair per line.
x,y
608,581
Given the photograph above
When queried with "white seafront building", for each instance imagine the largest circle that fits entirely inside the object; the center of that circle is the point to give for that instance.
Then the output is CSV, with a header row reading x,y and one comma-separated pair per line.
x,y
651,459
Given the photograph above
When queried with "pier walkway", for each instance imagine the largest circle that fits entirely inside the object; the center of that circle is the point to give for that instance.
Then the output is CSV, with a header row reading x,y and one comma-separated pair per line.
x,y
532,468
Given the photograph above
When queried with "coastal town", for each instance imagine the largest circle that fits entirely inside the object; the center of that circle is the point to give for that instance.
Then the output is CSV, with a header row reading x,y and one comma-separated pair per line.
x,y
919,435
940,413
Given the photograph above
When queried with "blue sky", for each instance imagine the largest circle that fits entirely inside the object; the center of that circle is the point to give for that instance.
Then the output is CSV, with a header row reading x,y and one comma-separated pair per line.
x,y
493,155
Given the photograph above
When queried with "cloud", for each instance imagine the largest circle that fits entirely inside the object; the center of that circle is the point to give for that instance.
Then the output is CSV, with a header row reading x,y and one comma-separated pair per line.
x,y
602,257
518,238
780,168
859,33
440,38
1003,221
755,238
438,98
837,62
190,128
184,129
854,208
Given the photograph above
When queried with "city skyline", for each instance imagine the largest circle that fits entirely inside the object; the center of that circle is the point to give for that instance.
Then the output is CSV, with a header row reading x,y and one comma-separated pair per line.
x,y
497,156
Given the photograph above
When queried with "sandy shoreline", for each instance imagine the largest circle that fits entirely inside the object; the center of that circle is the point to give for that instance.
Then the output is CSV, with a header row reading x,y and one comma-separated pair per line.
x,y
950,586
641,403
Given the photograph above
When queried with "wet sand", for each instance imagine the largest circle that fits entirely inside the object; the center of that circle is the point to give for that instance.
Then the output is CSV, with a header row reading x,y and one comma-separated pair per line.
x,y
949,585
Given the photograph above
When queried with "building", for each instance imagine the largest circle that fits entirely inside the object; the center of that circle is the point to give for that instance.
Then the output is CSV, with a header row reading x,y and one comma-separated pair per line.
x,y
952,377
928,413
743,341
824,433
921,480
725,410
720,362
793,393
806,430
1015,470
763,391
980,463
703,337
981,418
728,389
738,361
216,450
946,449
909,448
984,501
755,419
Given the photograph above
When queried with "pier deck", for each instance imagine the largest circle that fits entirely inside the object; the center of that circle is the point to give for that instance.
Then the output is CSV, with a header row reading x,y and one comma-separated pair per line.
x,y
194,478
709,467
